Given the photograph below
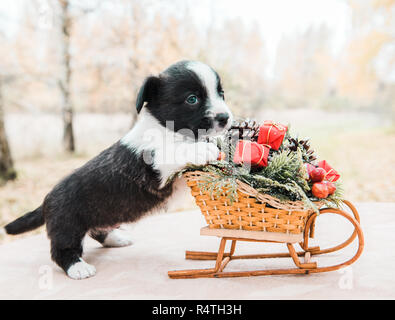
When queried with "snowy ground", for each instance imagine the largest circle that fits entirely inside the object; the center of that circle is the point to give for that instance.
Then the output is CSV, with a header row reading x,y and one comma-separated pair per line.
x,y
140,271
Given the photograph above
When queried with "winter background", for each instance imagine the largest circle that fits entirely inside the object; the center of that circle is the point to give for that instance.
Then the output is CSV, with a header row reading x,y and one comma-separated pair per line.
x,y
327,67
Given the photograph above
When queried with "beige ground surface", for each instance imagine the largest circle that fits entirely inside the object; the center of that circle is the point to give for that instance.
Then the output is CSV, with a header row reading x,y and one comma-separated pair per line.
x,y
140,271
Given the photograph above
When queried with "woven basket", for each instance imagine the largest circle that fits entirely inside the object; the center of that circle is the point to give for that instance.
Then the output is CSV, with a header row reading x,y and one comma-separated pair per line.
x,y
251,210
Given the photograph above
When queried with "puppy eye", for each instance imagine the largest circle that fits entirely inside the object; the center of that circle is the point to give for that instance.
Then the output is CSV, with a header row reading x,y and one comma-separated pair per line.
x,y
222,94
192,99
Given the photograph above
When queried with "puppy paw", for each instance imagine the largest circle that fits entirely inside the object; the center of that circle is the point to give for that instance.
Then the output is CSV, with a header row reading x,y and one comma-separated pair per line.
x,y
206,152
117,238
81,270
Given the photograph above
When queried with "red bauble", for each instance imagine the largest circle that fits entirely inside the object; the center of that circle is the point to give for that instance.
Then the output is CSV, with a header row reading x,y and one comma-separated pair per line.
x,y
331,187
309,167
320,190
317,174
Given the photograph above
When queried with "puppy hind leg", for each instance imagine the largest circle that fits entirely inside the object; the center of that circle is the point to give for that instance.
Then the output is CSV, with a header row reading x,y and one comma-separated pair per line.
x,y
67,252
116,237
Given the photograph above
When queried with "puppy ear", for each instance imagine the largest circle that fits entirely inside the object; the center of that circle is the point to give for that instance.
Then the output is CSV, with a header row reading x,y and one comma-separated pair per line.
x,y
148,92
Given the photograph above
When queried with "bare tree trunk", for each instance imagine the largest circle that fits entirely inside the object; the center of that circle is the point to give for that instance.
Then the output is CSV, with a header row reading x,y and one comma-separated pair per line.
x,y
7,171
64,82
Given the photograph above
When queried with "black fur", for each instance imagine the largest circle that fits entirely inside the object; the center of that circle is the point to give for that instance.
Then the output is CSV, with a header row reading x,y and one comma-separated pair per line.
x,y
27,222
98,235
115,187
118,186
147,92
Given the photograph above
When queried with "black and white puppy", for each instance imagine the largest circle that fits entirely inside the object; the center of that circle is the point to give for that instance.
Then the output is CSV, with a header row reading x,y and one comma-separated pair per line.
x,y
177,108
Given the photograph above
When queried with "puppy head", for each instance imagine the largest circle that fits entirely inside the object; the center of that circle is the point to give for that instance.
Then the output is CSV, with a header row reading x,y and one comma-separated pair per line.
x,y
189,97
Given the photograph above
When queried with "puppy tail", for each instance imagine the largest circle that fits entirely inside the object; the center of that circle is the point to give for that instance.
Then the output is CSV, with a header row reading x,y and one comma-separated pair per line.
x,y
27,222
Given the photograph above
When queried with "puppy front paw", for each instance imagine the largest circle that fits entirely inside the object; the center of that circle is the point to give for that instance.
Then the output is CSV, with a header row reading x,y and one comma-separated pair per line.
x,y
206,153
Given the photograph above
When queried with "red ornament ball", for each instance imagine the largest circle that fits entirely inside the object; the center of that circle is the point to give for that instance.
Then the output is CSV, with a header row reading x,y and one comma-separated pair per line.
x,y
317,174
331,187
320,190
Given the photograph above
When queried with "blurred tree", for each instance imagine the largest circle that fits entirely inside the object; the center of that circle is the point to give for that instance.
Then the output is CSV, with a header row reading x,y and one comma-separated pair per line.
x,y
7,171
238,54
135,30
303,78
369,62
112,50
114,56
64,81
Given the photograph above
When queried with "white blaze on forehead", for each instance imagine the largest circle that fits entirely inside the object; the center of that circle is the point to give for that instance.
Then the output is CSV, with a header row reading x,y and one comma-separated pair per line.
x,y
207,76
210,81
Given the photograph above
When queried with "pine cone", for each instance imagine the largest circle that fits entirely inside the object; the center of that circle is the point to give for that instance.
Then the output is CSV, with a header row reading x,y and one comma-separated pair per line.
x,y
245,130
304,145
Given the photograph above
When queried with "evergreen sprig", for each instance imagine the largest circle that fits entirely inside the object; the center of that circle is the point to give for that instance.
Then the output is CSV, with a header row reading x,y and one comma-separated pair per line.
x,y
220,185
282,167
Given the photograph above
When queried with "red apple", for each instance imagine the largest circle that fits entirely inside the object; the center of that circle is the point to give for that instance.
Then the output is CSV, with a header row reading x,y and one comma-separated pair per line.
x,y
309,167
317,174
331,187
320,190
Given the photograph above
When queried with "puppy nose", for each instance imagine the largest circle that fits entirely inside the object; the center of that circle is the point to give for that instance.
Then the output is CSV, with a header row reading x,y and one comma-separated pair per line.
x,y
222,119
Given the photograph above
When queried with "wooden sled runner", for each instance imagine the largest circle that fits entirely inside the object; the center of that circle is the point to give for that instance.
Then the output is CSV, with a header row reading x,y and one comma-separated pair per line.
x,y
306,266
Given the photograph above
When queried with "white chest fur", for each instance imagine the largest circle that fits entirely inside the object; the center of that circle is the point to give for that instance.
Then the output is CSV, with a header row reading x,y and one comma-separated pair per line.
x,y
172,151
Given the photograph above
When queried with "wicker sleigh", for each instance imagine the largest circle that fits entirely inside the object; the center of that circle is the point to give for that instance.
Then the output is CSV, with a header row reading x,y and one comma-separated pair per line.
x,y
254,216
